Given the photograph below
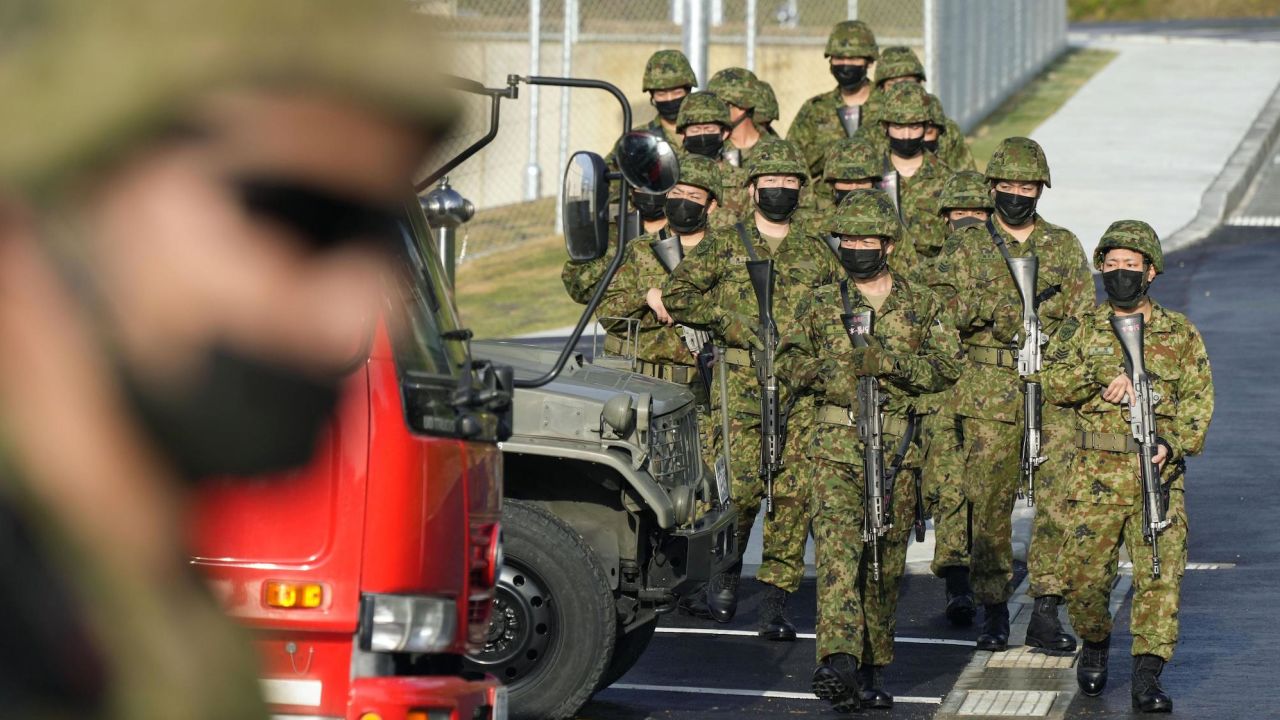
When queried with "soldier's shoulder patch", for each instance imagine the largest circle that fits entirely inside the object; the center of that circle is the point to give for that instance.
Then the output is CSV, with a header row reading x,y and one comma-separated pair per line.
x,y
1068,328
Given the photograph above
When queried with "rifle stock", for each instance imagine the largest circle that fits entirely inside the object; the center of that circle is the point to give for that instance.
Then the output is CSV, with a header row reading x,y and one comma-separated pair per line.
x,y
1128,330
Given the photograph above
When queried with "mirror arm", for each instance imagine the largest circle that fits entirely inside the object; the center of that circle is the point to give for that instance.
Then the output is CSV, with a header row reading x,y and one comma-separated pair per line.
x,y
616,263
510,92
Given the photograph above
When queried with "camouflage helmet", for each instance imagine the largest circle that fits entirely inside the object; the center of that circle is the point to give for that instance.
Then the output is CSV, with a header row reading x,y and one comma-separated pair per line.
x,y
898,61
668,69
766,103
1132,235
702,107
905,103
700,171
736,86
853,159
937,116
966,190
1020,159
868,211
852,39
775,156
96,78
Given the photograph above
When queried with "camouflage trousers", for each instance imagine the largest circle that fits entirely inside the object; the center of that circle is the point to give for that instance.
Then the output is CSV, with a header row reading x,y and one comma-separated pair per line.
x,y
1044,558
857,614
990,452
944,493
1091,555
786,530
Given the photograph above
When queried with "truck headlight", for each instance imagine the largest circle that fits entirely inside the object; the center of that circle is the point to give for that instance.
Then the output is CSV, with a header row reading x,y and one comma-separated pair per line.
x,y
407,623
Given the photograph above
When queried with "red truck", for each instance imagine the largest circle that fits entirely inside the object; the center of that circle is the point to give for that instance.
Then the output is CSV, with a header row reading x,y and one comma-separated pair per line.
x,y
368,575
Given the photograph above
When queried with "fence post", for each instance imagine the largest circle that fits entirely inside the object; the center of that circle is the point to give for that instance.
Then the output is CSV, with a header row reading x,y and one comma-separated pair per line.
x,y
532,173
751,35
568,36
695,38
931,45
852,9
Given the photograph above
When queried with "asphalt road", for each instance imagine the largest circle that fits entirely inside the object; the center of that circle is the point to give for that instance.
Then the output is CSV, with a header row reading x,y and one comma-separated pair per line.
x,y
1223,666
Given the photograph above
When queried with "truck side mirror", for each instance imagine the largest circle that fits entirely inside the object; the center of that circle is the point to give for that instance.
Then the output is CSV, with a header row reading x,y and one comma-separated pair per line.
x,y
647,162
586,207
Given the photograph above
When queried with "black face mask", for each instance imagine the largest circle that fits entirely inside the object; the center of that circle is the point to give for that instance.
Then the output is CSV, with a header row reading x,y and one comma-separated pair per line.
x,y
649,205
1015,209
669,109
777,203
685,216
841,195
1125,288
907,147
850,77
862,264
243,416
706,145
930,145
318,216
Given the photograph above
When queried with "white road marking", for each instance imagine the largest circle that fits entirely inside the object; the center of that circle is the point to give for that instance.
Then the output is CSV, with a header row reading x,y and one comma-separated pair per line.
x,y
807,636
1126,565
1254,221
758,693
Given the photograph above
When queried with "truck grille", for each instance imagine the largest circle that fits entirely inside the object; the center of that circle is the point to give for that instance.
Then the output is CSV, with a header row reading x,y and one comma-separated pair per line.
x,y
675,454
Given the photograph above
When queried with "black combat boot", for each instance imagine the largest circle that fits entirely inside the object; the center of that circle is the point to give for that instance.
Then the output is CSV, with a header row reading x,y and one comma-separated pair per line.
x,y
773,623
1091,668
1148,696
722,594
836,681
873,694
995,628
694,603
1045,629
961,608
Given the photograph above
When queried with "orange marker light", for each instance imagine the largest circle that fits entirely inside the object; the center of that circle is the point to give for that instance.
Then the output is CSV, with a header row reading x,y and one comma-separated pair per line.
x,y
293,595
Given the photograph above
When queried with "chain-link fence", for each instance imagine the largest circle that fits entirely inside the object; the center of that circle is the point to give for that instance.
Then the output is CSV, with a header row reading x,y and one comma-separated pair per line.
x,y
977,52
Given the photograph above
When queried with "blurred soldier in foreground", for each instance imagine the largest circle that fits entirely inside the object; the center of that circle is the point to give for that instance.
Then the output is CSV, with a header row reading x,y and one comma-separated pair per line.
x,y
851,52
908,351
1105,503
196,212
987,401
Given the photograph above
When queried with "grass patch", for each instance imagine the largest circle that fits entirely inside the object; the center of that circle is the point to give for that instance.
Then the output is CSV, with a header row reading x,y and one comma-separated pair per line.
x,y
1107,10
1023,111
518,291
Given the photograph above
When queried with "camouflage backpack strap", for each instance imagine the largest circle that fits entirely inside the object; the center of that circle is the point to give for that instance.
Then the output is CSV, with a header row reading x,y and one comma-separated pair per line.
x,y
746,240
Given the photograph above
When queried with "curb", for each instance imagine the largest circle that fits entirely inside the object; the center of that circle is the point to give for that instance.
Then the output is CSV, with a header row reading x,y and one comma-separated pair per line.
x,y
1080,38
1228,189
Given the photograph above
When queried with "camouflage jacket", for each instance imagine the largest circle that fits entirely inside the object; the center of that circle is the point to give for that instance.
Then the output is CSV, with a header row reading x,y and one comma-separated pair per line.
x,y
953,150
710,289
987,311
1180,376
817,126
921,354
924,227
581,279
938,272
625,298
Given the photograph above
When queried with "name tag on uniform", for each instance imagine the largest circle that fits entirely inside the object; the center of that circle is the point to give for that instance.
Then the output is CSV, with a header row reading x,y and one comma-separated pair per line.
x,y
1101,351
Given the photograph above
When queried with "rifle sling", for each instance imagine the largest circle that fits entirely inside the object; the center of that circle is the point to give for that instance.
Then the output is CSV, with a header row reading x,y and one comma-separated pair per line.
x,y
746,241
1004,252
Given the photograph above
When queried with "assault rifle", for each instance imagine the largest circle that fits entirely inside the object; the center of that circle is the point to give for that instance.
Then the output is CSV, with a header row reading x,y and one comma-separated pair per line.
x,y
1142,424
1024,271
876,520
762,276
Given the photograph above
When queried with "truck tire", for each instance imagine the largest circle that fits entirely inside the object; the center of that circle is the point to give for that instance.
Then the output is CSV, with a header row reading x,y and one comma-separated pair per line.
x,y
627,650
552,632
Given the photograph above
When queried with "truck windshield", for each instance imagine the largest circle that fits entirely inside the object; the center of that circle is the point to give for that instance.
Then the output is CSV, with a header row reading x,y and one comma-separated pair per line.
x,y
424,323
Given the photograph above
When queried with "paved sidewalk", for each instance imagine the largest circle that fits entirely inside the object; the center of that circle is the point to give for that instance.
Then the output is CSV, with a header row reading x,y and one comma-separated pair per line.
x,y
1148,134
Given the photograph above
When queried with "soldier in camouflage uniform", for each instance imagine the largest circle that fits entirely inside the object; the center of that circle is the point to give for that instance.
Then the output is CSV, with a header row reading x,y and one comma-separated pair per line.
x,y
899,64
739,88
167,299
919,175
965,204
668,78
704,128
851,52
987,399
710,289
1104,507
913,352
662,351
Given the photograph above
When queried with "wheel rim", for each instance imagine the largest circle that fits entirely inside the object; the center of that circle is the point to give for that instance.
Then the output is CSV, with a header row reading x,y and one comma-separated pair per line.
x,y
521,626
